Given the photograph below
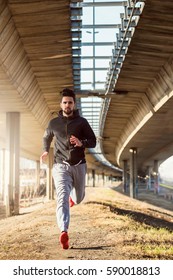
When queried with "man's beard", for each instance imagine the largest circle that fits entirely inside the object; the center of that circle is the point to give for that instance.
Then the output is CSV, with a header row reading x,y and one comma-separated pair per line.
x,y
68,111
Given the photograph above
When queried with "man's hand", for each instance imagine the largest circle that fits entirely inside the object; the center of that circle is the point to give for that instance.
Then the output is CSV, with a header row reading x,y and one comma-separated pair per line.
x,y
75,141
43,157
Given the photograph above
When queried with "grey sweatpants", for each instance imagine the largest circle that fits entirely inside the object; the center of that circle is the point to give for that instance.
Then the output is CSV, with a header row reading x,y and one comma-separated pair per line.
x,y
69,181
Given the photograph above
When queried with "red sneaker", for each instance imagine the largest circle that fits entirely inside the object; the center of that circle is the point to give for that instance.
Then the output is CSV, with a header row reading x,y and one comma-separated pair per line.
x,y
71,202
64,240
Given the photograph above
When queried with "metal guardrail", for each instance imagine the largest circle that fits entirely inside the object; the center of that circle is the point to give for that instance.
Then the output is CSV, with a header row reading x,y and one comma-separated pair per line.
x,y
131,15
166,186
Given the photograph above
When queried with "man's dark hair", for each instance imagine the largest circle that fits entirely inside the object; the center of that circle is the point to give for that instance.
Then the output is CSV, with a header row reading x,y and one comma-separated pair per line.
x,y
68,92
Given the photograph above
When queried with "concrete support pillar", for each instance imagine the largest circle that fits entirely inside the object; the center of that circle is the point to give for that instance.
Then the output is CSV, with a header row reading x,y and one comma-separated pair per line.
x,y
133,172
107,180
37,175
96,180
89,178
93,177
148,178
12,191
110,180
125,176
156,176
50,183
2,174
103,179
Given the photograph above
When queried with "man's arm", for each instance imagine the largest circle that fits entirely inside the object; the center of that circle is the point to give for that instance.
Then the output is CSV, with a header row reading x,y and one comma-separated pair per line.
x,y
43,157
89,140
47,139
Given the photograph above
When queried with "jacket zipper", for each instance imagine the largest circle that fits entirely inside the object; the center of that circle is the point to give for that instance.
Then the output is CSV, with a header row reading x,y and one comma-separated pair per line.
x,y
68,139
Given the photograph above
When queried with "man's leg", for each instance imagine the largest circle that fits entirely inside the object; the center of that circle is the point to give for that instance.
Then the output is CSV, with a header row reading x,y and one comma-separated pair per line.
x,y
63,182
78,192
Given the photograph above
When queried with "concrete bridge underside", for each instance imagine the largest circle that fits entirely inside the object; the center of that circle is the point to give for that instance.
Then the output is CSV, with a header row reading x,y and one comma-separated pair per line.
x,y
36,64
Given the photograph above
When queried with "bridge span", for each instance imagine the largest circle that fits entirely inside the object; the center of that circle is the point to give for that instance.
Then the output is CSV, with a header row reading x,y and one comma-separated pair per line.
x,y
43,50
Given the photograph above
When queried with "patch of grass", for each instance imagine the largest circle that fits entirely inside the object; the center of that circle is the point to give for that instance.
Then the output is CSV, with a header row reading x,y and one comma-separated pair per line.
x,y
146,242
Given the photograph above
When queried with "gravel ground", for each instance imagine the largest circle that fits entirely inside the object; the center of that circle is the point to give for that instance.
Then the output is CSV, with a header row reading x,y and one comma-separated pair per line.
x,y
100,229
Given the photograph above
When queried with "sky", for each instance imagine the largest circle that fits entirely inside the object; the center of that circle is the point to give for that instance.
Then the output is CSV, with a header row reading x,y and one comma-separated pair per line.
x,y
103,15
166,169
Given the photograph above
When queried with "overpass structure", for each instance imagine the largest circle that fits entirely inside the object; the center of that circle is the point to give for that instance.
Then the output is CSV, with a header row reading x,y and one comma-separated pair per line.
x,y
41,52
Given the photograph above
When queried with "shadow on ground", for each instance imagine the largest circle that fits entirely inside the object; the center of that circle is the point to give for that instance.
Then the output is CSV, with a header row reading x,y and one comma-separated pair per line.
x,y
142,218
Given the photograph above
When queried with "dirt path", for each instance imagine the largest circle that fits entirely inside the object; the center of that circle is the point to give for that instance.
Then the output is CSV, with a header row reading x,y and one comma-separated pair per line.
x,y
99,229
